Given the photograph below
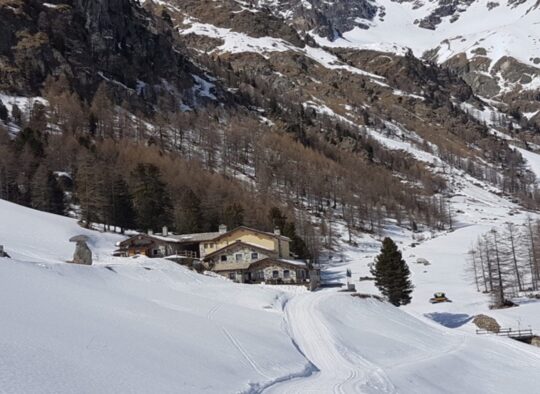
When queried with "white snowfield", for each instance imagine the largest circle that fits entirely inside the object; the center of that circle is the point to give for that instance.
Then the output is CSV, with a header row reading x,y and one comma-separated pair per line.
x,y
151,326
509,29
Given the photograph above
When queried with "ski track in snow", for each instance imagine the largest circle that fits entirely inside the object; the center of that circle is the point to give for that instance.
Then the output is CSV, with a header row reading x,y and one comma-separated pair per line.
x,y
340,370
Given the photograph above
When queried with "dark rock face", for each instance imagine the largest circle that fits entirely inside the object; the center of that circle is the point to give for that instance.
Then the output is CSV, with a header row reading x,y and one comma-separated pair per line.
x,y
89,41
446,8
2,252
329,19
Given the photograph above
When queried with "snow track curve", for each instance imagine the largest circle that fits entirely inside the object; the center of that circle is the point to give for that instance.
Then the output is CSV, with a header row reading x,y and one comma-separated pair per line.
x,y
339,369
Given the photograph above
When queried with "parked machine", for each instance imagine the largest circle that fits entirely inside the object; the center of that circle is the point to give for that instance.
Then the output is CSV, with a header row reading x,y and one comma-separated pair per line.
x,y
438,298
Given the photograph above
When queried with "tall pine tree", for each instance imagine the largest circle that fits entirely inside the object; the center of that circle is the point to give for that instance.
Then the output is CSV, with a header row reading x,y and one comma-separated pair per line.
x,y
150,197
188,213
392,275
121,211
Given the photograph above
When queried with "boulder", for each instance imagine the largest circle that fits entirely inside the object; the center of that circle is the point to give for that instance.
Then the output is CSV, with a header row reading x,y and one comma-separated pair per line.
x,y
486,323
2,252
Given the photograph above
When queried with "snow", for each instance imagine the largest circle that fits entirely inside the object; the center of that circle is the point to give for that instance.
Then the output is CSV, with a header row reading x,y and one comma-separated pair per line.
x,y
127,325
235,42
507,30
366,346
533,160
149,325
22,102
203,87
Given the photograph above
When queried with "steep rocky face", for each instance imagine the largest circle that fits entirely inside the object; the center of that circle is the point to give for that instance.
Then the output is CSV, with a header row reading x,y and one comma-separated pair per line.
x,y
89,41
326,18
445,8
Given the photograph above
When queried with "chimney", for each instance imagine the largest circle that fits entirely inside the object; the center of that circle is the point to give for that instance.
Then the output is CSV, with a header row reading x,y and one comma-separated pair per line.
x,y
150,231
277,231
222,229
165,231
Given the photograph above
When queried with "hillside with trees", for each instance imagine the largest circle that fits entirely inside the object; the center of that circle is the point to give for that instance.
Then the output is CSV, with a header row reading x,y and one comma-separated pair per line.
x,y
140,128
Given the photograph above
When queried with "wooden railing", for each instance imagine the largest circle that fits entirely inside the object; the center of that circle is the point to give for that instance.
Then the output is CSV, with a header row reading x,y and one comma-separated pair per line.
x,y
508,332
185,253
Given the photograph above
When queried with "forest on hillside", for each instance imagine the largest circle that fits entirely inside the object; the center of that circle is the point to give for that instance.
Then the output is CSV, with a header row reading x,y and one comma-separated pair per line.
x,y
194,170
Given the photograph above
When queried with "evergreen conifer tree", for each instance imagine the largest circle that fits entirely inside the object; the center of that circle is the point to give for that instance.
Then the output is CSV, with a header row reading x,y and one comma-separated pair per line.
x,y
121,208
188,213
392,275
150,197
233,216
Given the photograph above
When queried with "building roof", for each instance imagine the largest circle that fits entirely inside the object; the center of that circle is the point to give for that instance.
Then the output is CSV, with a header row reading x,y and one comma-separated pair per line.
x,y
237,243
196,237
221,235
202,237
152,236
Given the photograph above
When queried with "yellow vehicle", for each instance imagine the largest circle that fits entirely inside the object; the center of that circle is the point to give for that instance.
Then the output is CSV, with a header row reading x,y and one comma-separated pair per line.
x,y
438,298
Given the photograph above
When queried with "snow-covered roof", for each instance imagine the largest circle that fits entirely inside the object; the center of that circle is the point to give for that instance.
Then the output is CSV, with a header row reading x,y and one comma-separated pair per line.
x,y
196,237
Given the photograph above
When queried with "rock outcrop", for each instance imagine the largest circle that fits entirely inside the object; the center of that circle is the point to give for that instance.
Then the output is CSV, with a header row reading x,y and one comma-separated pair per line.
x,y
487,323
83,254
89,41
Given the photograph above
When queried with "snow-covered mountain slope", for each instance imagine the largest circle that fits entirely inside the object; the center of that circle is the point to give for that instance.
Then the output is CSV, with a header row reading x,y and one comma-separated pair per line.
x,y
493,45
122,325
507,29
146,325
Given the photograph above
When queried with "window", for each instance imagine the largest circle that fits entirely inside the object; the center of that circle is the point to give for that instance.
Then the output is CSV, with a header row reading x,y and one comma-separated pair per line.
x,y
223,257
206,246
254,256
286,274
238,256
232,275
155,252
275,274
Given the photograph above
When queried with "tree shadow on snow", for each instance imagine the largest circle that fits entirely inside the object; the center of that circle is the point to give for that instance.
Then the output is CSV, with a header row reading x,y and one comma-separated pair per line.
x,y
450,320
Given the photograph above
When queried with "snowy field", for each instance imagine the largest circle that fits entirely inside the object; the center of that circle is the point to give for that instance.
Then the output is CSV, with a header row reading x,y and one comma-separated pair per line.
x,y
148,325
